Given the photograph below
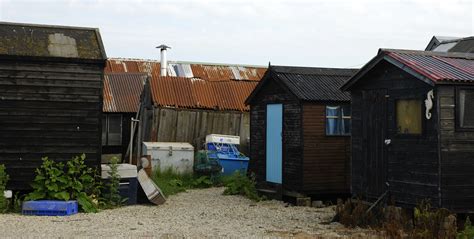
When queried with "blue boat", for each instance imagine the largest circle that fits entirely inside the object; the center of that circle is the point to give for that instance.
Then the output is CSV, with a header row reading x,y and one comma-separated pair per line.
x,y
228,156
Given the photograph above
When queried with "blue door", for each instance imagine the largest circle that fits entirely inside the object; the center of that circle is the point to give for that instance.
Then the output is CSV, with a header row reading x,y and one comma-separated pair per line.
x,y
274,142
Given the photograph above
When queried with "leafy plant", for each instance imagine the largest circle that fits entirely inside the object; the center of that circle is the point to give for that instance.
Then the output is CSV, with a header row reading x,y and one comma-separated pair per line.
x,y
3,185
171,182
70,181
17,202
240,184
203,182
430,222
468,231
112,196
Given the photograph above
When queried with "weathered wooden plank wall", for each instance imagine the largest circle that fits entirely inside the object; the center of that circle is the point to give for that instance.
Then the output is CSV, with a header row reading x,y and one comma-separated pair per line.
x,y
192,126
48,109
410,164
326,158
457,155
292,136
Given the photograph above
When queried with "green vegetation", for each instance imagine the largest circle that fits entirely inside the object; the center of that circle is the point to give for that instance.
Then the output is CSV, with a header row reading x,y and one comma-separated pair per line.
x,y
239,184
70,181
422,222
468,231
171,182
111,197
3,184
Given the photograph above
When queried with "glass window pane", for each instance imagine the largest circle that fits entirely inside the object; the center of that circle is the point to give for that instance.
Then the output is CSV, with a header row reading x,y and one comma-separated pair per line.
x,y
333,114
466,110
346,111
347,126
104,130
115,130
332,110
408,116
332,127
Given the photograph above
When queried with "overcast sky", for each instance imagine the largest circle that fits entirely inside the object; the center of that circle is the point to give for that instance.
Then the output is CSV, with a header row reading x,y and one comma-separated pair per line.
x,y
307,33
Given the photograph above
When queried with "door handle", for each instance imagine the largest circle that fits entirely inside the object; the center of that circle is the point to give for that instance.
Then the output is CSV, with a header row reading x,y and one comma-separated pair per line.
x,y
388,141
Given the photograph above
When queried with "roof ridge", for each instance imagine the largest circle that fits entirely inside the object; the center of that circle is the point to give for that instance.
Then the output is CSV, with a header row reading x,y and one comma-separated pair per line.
x,y
464,55
47,26
457,40
126,73
186,62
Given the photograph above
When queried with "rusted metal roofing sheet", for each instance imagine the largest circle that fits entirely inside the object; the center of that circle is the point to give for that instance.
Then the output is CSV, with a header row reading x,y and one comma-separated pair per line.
x,y
205,71
437,66
122,91
181,92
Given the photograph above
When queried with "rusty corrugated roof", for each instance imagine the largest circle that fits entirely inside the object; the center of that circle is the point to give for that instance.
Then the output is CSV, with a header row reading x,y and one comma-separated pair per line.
x,y
437,66
122,91
181,92
205,71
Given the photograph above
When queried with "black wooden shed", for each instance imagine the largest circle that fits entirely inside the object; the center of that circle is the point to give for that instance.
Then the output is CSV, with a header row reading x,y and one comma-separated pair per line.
x,y
300,131
413,128
50,96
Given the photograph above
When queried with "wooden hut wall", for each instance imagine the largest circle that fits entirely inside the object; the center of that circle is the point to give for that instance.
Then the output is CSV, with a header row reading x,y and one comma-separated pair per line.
x,y
48,109
272,92
326,158
410,164
456,150
192,125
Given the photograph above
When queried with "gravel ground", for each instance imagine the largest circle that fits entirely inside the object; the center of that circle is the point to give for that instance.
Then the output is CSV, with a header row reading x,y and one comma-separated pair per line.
x,y
193,214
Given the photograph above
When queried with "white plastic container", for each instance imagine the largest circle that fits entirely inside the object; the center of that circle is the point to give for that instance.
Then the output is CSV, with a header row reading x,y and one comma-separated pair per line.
x,y
221,138
125,170
178,156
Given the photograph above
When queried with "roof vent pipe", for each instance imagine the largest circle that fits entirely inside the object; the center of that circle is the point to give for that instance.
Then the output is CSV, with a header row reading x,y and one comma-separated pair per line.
x,y
163,61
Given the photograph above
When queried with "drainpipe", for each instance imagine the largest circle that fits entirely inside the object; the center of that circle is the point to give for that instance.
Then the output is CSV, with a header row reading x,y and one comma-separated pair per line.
x,y
163,60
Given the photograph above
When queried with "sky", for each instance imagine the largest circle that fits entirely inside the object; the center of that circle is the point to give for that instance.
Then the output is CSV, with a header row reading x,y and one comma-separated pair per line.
x,y
318,33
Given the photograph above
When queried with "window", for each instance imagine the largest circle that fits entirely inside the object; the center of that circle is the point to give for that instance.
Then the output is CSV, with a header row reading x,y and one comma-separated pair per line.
x,y
338,120
408,113
466,109
111,130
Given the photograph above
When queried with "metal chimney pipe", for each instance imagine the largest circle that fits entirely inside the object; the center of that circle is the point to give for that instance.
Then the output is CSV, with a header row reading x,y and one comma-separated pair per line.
x,y
163,60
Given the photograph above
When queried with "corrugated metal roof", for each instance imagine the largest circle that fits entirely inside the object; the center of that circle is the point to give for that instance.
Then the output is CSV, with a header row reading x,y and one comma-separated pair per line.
x,y
122,91
205,71
436,66
465,45
315,84
181,92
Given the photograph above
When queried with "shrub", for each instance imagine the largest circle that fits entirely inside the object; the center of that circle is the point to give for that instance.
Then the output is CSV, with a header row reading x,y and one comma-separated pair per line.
x,y
468,231
430,223
239,184
353,213
171,182
3,185
112,196
396,222
70,181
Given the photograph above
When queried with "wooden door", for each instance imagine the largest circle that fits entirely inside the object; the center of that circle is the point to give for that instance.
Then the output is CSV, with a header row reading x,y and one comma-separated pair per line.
x,y
274,143
374,128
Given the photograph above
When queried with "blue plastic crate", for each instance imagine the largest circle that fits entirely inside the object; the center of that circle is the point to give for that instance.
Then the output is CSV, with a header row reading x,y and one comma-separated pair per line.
x,y
49,208
230,165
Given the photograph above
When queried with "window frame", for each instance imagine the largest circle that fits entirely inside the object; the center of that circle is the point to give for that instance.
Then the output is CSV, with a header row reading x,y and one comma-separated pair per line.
x,y
457,113
422,114
106,125
340,117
